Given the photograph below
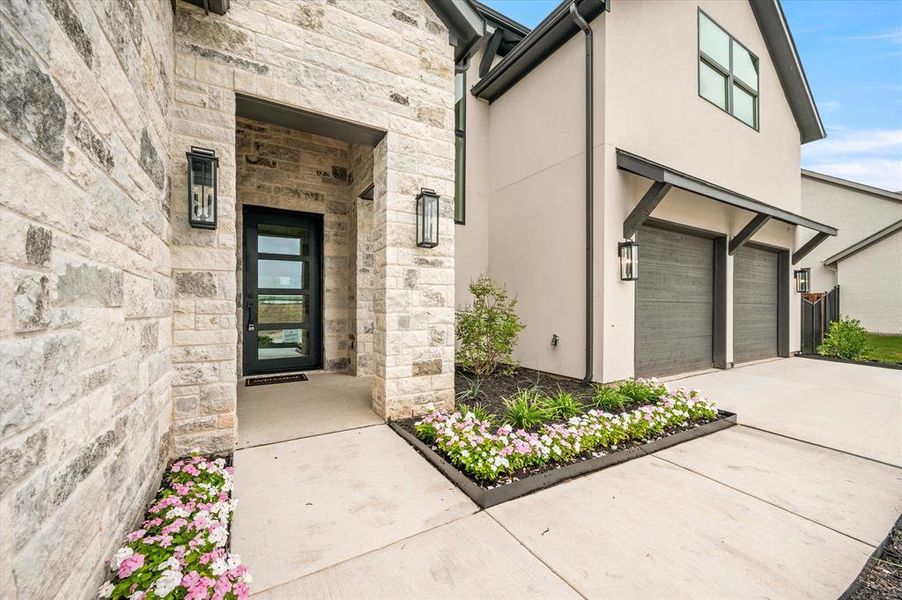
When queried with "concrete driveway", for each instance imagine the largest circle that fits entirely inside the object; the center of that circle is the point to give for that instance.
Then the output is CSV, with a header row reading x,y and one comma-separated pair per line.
x,y
788,508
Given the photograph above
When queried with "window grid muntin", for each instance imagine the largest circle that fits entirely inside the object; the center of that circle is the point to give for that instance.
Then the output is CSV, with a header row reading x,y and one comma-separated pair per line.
x,y
728,73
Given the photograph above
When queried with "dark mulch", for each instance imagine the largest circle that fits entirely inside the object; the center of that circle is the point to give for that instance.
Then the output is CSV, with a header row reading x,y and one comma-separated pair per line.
x,y
882,576
495,388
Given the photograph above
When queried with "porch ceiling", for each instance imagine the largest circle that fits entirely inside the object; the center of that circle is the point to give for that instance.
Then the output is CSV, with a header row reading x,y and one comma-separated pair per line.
x,y
303,120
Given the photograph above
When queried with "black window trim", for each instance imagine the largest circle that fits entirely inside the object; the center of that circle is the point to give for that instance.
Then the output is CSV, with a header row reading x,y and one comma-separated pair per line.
x,y
703,57
461,134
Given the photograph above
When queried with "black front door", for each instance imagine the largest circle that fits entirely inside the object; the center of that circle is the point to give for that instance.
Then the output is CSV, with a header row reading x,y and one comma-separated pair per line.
x,y
282,290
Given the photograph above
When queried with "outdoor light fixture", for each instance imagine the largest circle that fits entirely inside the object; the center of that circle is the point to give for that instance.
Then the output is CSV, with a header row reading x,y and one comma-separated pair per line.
x,y
629,260
202,165
803,281
427,218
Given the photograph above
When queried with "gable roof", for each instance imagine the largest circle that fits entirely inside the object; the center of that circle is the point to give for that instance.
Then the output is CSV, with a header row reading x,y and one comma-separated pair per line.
x,y
785,56
853,185
865,243
558,28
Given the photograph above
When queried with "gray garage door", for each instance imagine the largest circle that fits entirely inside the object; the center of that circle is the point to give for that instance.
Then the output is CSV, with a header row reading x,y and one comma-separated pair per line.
x,y
754,304
673,303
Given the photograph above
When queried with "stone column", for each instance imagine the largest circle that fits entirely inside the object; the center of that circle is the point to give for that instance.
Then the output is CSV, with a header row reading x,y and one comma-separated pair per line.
x,y
413,356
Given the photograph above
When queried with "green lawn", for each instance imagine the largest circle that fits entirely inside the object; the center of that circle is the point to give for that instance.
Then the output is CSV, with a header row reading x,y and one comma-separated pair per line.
x,y
886,348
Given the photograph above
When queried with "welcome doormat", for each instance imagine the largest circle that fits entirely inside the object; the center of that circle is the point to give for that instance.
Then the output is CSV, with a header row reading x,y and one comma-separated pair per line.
x,y
275,379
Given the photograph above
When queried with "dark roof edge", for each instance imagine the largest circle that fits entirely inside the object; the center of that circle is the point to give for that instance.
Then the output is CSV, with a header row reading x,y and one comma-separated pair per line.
x,y
464,24
865,243
785,56
658,172
853,185
549,35
489,13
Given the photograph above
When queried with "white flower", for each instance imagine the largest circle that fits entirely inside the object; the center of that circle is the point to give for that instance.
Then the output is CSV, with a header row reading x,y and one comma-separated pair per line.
x,y
233,562
219,535
167,582
139,595
219,567
106,590
171,564
121,554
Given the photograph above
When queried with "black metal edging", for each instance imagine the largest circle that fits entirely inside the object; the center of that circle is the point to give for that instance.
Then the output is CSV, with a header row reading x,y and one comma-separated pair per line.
x,y
863,363
488,497
876,555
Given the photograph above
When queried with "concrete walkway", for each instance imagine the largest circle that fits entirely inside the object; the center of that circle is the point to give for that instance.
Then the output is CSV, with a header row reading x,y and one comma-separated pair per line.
x,y
742,513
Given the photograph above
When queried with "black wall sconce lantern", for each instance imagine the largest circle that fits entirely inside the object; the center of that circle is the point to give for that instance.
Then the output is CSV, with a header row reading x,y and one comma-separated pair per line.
x,y
427,218
202,164
803,281
629,260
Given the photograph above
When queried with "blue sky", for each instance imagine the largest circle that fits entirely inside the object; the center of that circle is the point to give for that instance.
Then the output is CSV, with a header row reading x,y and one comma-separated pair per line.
x,y
852,54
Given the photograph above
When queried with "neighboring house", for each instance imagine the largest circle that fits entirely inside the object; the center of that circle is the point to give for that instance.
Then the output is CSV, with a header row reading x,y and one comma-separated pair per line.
x,y
129,316
865,259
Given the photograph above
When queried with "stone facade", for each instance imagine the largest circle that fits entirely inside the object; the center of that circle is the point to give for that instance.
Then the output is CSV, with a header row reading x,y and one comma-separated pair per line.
x,y
387,65
118,321
85,286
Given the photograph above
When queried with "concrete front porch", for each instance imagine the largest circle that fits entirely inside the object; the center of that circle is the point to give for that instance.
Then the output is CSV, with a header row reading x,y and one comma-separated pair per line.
x,y
280,412
741,513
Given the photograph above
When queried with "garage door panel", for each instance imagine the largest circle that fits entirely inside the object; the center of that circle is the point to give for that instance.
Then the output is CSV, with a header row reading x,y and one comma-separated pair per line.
x,y
674,307
754,304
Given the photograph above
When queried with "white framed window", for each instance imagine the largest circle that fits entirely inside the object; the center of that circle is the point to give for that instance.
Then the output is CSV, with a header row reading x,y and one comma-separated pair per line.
x,y
727,72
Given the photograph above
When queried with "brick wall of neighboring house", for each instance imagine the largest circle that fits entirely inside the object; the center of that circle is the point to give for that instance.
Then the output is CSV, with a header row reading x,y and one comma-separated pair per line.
x,y
293,170
387,65
85,288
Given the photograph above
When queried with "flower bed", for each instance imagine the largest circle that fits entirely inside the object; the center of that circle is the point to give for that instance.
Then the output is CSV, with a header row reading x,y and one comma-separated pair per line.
x,y
180,549
495,464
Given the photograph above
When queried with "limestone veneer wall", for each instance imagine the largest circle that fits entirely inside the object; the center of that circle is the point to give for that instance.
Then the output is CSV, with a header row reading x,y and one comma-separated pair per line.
x,y
384,64
85,291
293,170
360,177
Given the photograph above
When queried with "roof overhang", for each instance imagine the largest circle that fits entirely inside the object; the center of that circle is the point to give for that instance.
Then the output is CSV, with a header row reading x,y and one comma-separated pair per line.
x,y
549,35
644,167
865,243
852,185
465,26
785,56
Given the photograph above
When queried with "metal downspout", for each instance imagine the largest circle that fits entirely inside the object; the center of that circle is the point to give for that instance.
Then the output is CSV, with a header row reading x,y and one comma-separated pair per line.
x,y
590,207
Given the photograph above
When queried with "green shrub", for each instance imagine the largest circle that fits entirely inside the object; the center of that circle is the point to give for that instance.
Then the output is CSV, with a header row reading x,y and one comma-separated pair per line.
x,y
524,409
561,406
487,331
609,398
646,391
845,338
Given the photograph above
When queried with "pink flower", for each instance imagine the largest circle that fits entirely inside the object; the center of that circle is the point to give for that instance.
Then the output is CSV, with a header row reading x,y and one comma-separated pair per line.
x,y
135,535
130,565
191,470
242,591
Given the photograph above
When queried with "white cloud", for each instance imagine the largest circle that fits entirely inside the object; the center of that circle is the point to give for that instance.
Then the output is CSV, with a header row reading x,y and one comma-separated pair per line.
x,y
828,106
872,157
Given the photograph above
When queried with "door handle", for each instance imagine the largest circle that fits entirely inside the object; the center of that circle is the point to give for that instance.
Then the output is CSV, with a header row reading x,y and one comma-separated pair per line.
x,y
250,316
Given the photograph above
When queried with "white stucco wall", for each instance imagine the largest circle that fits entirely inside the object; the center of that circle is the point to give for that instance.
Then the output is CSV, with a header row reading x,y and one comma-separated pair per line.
x,y
871,286
856,214
471,239
537,206
653,109
646,102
